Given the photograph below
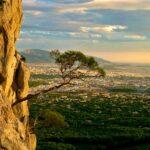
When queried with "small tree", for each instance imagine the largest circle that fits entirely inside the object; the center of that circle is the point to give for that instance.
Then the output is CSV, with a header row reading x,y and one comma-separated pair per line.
x,y
71,64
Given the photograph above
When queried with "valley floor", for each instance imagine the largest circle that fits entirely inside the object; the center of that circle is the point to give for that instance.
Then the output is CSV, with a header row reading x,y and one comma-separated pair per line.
x,y
113,113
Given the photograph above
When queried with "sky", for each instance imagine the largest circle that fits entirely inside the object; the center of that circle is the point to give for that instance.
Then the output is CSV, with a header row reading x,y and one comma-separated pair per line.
x,y
116,30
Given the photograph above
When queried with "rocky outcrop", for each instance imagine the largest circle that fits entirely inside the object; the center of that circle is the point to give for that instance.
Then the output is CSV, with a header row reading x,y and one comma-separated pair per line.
x,y
14,75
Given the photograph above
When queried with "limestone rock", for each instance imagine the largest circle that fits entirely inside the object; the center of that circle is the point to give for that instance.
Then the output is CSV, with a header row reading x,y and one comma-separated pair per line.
x,y
12,131
22,78
14,76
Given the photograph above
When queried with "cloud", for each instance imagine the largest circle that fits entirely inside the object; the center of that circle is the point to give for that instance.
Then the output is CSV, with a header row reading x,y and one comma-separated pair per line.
x,y
96,35
83,36
26,39
135,37
103,4
82,6
90,25
74,34
33,2
120,4
33,12
30,2
104,28
81,10
95,41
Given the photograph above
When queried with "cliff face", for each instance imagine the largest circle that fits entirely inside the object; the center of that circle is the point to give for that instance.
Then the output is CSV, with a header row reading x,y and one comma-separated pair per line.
x,y
14,75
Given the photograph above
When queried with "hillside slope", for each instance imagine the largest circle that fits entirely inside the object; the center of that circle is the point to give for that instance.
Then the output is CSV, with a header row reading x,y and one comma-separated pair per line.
x,y
42,56
37,56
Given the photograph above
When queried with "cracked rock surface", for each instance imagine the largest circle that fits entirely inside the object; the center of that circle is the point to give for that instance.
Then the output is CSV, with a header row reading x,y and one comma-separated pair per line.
x,y
14,76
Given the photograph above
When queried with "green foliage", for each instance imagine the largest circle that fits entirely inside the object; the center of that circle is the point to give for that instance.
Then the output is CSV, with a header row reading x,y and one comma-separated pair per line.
x,y
37,83
37,79
123,89
73,60
55,146
52,119
119,121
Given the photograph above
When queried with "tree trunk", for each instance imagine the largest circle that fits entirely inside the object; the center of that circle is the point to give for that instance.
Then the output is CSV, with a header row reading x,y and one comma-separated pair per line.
x,y
14,76
30,96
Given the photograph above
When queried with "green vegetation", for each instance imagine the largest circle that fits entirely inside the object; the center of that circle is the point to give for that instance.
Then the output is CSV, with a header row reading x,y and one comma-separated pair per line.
x,y
50,118
70,63
95,122
123,89
41,79
37,83
113,114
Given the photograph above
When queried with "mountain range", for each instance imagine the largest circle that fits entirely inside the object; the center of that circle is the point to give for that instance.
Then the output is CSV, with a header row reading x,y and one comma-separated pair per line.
x,y
42,56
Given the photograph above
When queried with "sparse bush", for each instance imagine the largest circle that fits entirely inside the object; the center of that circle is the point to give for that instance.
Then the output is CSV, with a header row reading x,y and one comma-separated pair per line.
x,y
52,119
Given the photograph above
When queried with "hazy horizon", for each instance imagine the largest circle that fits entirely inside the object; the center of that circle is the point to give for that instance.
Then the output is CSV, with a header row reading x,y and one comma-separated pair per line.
x,y
115,30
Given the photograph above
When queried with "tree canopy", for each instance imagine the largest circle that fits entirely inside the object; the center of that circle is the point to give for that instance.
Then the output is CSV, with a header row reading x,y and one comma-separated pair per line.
x,y
72,62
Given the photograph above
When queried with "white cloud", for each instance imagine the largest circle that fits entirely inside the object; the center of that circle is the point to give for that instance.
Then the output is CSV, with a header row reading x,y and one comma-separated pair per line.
x,y
103,4
33,12
95,41
25,39
96,35
29,2
74,34
84,35
93,4
120,4
135,37
81,10
34,3
105,28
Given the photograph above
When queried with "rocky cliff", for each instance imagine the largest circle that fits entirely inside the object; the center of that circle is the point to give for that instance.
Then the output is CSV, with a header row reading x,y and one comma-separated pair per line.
x,y
15,133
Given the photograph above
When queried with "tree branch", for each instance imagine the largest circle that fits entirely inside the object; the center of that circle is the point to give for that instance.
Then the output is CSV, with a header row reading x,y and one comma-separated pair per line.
x,y
41,92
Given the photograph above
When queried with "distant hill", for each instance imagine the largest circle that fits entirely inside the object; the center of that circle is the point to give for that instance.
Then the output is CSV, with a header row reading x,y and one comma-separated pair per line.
x,y
102,61
42,56
37,56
